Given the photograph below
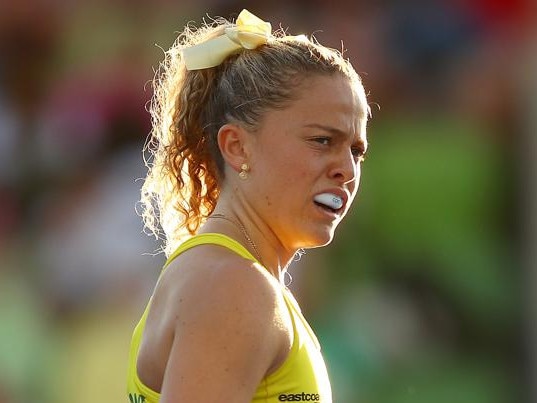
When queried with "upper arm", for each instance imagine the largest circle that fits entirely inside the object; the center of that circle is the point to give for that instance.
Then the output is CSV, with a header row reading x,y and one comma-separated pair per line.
x,y
225,337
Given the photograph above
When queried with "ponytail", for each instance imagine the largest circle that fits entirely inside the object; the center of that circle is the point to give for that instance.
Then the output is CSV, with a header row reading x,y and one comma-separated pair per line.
x,y
181,187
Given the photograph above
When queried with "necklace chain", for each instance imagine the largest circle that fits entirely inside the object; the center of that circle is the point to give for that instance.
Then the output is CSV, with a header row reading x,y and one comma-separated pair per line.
x,y
239,225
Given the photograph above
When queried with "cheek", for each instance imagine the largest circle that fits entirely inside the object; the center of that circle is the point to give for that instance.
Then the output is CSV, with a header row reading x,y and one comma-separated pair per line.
x,y
288,171
291,167
297,178
284,185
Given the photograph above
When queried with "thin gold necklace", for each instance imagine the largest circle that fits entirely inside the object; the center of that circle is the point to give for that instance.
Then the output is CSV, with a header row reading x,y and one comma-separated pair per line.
x,y
239,225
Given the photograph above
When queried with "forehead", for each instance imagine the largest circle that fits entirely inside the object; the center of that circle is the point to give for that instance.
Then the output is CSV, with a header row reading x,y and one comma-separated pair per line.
x,y
334,101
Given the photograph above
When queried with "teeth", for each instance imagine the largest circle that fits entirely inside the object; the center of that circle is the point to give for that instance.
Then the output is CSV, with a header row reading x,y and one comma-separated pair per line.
x,y
330,200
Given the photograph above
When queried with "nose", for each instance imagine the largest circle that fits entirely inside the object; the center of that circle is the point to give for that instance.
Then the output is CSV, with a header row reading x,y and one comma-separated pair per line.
x,y
345,168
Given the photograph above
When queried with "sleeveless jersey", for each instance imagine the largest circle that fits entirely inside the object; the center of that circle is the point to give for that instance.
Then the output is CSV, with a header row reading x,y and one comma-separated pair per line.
x,y
301,378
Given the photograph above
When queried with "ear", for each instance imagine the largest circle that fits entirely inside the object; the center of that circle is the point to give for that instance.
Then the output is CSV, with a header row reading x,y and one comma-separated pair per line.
x,y
233,142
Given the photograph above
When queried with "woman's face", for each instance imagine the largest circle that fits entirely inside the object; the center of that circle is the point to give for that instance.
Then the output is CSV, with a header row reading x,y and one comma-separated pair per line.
x,y
305,161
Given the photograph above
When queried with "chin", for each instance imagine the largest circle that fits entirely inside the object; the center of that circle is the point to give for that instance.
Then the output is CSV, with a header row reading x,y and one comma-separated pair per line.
x,y
319,239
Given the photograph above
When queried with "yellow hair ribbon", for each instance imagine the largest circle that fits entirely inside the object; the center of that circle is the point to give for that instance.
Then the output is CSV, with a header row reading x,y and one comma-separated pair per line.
x,y
249,32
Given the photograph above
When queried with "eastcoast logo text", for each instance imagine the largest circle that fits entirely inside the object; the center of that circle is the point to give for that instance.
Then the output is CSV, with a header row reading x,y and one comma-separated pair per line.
x,y
299,397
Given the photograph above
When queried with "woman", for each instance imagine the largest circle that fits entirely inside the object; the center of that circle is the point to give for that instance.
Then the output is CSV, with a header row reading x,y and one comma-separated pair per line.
x,y
256,149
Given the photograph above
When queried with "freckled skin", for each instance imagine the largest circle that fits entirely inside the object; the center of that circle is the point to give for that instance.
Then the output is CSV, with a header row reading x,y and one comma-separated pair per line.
x,y
287,167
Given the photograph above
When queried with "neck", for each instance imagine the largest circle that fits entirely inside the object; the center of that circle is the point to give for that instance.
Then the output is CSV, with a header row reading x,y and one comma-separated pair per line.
x,y
255,235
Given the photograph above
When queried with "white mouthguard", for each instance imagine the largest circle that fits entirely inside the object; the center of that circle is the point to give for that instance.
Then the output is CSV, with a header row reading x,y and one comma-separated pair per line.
x,y
330,200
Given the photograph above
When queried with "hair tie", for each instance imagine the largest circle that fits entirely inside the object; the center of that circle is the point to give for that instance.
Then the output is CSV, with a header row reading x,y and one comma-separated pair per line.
x,y
249,32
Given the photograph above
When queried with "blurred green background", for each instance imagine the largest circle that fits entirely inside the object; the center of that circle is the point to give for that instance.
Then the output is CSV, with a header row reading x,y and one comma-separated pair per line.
x,y
426,294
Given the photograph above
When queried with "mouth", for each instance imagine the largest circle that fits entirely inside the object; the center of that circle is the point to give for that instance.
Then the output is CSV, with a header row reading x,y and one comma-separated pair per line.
x,y
330,202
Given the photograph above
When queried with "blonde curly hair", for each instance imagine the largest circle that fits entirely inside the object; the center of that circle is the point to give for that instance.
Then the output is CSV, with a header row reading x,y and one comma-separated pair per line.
x,y
185,166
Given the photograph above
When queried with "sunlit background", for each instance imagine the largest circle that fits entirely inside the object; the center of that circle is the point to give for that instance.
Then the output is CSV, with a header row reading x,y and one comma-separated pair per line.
x,y
426,294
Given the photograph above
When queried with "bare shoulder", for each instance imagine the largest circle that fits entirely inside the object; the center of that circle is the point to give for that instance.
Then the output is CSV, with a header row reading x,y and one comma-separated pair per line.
x,y
218,324
211,278
214,312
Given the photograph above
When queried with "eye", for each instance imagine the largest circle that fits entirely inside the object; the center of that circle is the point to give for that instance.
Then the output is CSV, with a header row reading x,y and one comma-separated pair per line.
x,y
358,153
325,141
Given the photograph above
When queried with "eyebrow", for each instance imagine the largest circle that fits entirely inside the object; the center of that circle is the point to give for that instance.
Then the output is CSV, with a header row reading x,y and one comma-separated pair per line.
x,y
336,132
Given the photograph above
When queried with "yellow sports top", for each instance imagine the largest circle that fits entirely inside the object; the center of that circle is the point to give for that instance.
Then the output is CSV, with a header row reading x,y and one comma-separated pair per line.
x,y
301,378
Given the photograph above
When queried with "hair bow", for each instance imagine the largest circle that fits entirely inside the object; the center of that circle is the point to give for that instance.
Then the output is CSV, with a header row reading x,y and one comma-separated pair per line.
x,y
249,32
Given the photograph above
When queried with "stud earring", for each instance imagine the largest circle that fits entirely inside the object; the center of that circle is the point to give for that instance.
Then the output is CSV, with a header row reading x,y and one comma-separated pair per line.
x,y
243,174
